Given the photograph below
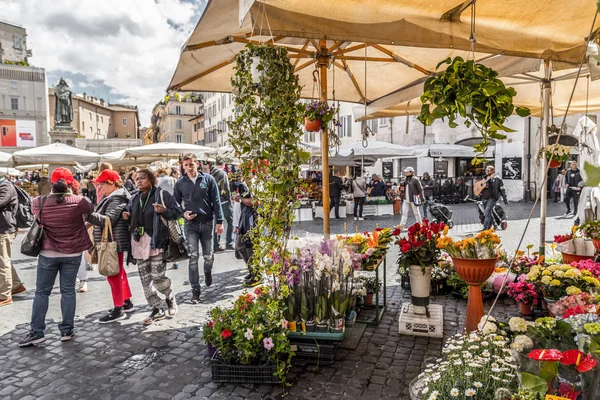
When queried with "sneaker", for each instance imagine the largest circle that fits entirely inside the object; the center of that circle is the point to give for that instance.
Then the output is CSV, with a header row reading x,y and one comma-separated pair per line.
x,y
229,247
128,306
115,315
82,287
567,214
157,315
208,279
6,302
361,219
31,339
195,297
171,306
65,337
219,249
249,276
254,281
18,290
356,218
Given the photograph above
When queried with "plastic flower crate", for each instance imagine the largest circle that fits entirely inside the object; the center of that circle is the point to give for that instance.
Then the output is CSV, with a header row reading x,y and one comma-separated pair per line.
x,y
222,372
314,350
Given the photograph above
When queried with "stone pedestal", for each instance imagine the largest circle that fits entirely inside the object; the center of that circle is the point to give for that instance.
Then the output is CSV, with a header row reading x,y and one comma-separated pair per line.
x,y
63,134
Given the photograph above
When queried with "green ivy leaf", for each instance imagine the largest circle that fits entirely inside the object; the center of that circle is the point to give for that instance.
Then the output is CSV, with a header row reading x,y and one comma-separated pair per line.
x,y
593,173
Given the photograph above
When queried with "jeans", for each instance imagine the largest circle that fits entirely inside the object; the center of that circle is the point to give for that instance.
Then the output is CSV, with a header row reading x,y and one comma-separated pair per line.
x,y
334,203
359,202
228,217
199,234
488,206
426,197
572,194
47,269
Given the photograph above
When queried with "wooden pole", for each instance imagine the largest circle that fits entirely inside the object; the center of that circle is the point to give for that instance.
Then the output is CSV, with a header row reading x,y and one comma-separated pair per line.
x,y
323,61
546,96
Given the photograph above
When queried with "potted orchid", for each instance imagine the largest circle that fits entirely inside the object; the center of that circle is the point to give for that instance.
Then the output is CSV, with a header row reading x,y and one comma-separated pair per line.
x,y
318,114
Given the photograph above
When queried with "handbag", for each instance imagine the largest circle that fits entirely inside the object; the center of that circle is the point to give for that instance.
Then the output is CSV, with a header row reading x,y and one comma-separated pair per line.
x,y
178,249
108,256
32,242
417,200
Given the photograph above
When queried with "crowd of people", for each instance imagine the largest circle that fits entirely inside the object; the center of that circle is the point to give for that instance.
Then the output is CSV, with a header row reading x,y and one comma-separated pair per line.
x,y
136,209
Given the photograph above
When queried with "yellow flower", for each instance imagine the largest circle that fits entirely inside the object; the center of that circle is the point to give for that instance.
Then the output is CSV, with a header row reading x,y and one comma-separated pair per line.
x,y
446,230
571,290
546,273
546,280
554,282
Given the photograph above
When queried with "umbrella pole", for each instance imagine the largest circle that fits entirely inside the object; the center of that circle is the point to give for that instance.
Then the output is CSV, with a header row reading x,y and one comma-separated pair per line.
x,y
323,61
546,92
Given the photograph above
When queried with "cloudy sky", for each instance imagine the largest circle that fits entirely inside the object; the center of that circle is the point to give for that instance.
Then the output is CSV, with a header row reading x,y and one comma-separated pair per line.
x,y
124,51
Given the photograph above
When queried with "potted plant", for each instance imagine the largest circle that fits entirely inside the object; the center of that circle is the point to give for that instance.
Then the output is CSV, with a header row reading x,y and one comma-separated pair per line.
x,y
574,248
591,230
318,114
556,154
474,260
419,252
371,285
524,293
474,92
209,333
556,281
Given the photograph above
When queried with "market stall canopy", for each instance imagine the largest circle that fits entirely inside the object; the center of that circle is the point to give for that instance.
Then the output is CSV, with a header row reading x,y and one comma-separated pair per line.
x,y
166,149
9,171
120,158
5,159
374,149
401,40
449,150
55,154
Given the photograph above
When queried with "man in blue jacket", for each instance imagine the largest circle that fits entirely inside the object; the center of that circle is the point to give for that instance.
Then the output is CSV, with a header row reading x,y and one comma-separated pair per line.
x,y
198,195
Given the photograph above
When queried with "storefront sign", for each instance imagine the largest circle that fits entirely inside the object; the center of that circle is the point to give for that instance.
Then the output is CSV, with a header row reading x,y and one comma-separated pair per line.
x,y
17,133
512,167
388,169
440,169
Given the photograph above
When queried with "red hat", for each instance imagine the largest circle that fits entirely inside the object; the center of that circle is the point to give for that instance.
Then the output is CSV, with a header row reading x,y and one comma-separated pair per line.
x,y
108,175
62,173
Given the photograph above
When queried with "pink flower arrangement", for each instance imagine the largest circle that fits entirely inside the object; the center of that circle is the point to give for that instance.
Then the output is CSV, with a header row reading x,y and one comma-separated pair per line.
x,y
590,265
522,291
582,303
268,343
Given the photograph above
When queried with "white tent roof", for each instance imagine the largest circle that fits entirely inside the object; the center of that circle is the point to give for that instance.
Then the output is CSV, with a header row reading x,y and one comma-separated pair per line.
x,y
447,150
5,159
374,149
166,149
55,154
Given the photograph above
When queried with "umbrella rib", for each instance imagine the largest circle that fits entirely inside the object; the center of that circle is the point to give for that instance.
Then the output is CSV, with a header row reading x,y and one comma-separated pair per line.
x,y
203,73
346,68
401,60
335,46
199,46
307,64
350,49
292,49
303,48
372,59
315,44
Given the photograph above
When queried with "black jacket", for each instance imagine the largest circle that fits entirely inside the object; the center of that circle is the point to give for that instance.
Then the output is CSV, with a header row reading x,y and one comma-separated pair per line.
x,y
573,178
379,189
112,207
160,234
8,206
494,189
335,186
201,198
414,187
223,184
427,185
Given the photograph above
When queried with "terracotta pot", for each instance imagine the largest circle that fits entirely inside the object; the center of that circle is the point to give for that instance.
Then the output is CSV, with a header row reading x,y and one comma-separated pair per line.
x,y
369,298
569,258
596,244
312,125
554,163
525,309
475,272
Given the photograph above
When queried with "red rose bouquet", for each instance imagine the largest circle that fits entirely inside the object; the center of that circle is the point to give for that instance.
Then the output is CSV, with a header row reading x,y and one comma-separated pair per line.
x,y
420,247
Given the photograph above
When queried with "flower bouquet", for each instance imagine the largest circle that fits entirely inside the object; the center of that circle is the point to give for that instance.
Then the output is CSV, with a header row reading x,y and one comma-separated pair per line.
x,y
589,265
557,281
573,247
319,114
556,154
372,246
524,293
574,304
524,262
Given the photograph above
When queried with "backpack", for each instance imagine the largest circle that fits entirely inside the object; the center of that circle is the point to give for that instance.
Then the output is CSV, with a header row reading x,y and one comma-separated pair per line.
x,y
24,214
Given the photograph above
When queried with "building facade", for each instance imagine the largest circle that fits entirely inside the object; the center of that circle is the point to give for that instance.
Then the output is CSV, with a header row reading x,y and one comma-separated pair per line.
x,y
93,118
23,101
175,118
218,111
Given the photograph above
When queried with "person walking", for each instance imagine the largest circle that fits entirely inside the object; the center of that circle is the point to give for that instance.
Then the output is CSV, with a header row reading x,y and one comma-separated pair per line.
x,y
82,273
44,186
563,188
427,184
9,280
218,172
573,182
64,239
359,189
557,187
490,195
245,222
166,181
130,184
412,192
198,194
111,207
335,193
150,238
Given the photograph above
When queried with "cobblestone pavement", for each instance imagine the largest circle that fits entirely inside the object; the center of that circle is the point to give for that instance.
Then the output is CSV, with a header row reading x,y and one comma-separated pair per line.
x,y
169,360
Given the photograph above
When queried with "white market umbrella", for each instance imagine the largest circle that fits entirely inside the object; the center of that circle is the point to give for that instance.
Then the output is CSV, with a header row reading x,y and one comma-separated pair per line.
x,y
10,171
5,159
449,150
55,154
374,149
166,149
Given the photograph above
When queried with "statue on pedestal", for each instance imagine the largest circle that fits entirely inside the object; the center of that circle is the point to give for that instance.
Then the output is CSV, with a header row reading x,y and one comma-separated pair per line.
x,y
63,111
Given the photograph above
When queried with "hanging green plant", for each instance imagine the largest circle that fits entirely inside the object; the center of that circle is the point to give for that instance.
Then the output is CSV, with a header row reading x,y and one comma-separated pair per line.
x,y
474,92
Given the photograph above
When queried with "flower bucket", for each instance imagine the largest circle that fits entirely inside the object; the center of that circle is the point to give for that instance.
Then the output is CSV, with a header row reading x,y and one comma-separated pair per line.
x,y
475,272
525,309
420,285
596,243
313,125
554,163
569,258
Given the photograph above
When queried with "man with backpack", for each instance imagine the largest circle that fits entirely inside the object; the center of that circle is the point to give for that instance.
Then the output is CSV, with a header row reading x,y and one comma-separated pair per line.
x,y
12,211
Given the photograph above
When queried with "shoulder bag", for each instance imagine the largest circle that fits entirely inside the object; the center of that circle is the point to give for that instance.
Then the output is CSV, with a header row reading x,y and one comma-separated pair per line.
x,y
108,256
178,249
32,242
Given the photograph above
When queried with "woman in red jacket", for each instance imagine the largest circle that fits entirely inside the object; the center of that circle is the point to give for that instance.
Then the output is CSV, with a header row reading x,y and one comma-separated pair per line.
x,y
65,238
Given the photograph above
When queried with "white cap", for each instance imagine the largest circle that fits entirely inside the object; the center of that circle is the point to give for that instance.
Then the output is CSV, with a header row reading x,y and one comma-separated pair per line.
x,y
410,169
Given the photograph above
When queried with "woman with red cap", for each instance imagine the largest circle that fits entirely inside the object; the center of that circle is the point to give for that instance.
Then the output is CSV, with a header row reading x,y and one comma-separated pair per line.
x,y
114,200
61,214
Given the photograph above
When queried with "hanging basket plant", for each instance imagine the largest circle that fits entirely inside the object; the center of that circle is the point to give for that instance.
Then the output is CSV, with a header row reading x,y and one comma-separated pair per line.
x,y
474,92
318,114
556,154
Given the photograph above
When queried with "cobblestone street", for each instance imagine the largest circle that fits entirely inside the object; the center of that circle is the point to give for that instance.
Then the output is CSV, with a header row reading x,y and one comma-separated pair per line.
x,y
169,360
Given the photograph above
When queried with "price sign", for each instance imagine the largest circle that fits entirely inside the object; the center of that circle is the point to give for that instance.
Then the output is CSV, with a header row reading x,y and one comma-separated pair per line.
x,y
552,397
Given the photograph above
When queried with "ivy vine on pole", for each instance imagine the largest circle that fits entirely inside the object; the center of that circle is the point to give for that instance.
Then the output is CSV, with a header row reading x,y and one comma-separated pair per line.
x,y
266,135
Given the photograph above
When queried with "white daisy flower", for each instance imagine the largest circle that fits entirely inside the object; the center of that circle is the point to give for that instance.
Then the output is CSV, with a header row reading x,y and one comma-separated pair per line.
x,y
468,373
478,384
470,392
454,392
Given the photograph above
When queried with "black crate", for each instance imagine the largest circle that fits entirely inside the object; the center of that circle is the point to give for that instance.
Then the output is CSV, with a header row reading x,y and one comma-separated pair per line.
x,y
222,372
322,352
